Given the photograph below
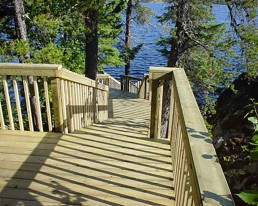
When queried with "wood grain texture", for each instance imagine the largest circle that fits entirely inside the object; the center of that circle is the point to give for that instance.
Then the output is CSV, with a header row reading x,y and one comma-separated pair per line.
x,y
111,163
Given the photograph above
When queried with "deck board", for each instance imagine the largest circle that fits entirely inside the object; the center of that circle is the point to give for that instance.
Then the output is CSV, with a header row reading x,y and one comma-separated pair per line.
x,y
112,163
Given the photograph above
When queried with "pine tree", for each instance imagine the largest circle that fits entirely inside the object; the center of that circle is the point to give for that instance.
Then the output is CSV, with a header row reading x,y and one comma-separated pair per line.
x,y
243,16
195,40
140,15
59,31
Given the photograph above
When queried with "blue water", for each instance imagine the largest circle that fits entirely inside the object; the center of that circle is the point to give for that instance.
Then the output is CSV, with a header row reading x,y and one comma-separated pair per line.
x,y
150,34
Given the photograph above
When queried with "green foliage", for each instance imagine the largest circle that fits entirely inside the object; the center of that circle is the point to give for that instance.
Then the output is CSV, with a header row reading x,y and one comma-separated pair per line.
x,y
56,32
15,49
243,15
198,44
249,196
50,54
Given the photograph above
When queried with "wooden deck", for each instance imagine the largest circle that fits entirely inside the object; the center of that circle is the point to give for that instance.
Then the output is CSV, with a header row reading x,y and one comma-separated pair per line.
x,y
112,163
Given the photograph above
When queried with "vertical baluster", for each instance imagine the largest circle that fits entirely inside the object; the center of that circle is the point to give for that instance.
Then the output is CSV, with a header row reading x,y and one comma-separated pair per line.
x,y
66,96
91,105
84,105
76,106
87,104
18,103
27,100
81,105
71,109
2,117
49,120
65,128
176,156
171,113
38,106
8,103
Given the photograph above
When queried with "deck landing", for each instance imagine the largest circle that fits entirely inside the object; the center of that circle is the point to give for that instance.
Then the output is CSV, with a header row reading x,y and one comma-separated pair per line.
x,y
112,163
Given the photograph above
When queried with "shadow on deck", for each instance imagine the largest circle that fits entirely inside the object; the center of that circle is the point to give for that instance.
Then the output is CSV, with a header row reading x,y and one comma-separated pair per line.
x,y
112,163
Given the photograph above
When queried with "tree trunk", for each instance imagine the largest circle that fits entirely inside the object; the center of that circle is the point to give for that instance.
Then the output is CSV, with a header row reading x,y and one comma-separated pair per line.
x,y
91,45
19,20
173,61
21,32
127,36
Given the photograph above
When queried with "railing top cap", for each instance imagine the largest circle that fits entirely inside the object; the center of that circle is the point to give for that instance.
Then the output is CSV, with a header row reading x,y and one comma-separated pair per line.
x,y
163,69
30,66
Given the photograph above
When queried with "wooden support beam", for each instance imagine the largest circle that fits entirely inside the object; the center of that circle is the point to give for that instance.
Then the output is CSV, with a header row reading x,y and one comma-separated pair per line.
x,y
154,86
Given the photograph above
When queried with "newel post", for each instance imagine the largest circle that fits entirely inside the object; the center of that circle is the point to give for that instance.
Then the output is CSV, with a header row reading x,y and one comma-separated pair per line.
x,y
57,104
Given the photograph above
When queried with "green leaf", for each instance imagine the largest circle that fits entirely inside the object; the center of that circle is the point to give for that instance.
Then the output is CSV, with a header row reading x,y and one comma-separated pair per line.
x,y
254,153
255,138
253,120
249,196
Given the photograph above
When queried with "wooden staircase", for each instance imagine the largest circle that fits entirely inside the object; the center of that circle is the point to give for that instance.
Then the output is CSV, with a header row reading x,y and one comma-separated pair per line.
x,y
110,163
106,151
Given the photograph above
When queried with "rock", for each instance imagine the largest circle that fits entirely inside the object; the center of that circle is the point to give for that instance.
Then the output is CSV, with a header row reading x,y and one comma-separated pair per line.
x,y
232,106
232,134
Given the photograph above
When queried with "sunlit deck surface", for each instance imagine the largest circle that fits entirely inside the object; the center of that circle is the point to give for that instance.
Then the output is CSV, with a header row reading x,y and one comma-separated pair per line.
x,y
112,163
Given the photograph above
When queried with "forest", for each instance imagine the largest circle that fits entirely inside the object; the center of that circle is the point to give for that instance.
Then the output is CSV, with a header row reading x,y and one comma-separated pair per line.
x,y
86,36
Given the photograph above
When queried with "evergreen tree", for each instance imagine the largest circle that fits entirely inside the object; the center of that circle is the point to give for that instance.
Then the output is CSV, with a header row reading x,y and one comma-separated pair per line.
x,y
197,43
59,31
243,15
140,15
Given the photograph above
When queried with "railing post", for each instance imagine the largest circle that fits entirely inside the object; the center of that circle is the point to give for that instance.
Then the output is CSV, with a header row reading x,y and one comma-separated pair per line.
x,y
57,104
153,87
122,83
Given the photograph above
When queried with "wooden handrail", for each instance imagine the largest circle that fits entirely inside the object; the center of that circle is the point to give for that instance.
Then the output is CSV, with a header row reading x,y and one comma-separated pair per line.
x,y
130,84
199,179
65,100
108,80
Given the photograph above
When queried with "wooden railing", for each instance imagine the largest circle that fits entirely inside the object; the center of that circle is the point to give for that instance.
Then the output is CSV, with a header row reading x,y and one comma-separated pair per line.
x,y
198,177
47,97
109,81
130,84
144,88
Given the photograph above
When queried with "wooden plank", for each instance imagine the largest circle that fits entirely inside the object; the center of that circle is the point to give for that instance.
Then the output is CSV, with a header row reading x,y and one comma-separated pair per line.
x,y
77,105
84,97
38,106
48,110
90,147
8,103
193,123
29,69
18,103
57,105
70,108
67,100
90,155
72,194
2,117
63,105
81,105
27,100
154,96
88,139
80,79
97,176
71,105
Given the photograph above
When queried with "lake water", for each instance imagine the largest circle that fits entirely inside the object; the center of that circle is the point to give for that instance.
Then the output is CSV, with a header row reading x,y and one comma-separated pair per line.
x,y
150,34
